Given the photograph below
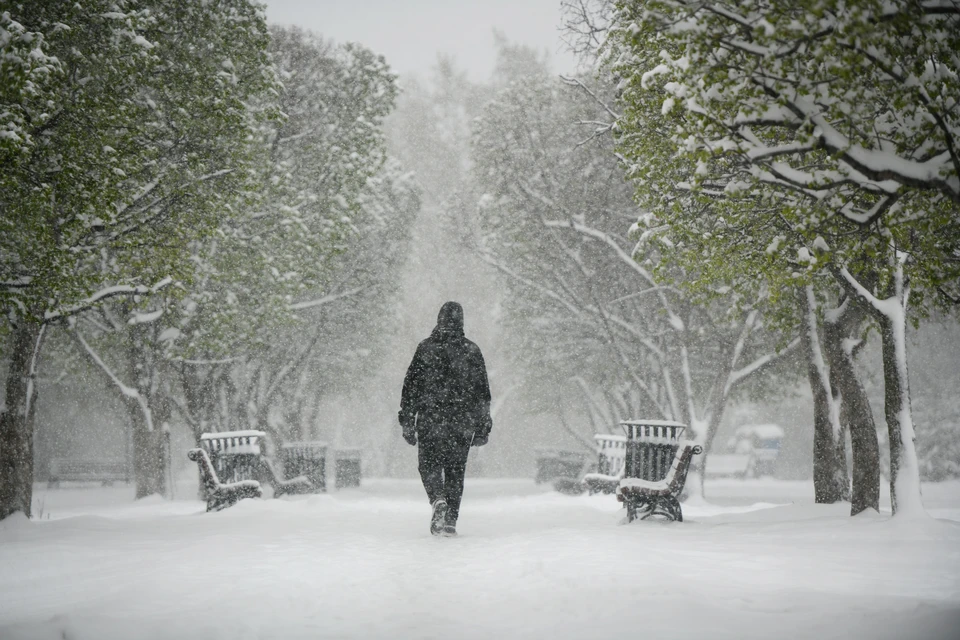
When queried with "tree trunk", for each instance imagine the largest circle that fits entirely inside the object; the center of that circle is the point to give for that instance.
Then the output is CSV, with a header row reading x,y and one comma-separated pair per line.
x,y
829,455
891,314
856,416
149,470
201,394
197,398
147,414
904,469
830,483
16,421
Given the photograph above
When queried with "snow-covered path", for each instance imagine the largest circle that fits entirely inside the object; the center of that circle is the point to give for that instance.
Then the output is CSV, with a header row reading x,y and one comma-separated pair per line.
x,y
529,564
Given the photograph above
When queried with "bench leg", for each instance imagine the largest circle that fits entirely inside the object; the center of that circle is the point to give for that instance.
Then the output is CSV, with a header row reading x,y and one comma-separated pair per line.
x,y
644,508
667,507
679,517
638,508
221,502
221,499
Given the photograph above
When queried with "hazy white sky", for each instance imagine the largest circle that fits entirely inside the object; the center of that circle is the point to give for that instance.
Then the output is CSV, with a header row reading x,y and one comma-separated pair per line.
x,y
410,33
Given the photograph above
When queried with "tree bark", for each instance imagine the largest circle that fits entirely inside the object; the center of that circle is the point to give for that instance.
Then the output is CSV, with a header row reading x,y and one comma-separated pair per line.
x,y
830,483
855,413
891,314
200,394
829,455
147,415
16,421
904,470
149,471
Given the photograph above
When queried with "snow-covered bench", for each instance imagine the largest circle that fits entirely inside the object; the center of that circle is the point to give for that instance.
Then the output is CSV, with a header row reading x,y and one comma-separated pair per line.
x,y
307,458
88,470
219,495
647,498
235,455
281,486
611,454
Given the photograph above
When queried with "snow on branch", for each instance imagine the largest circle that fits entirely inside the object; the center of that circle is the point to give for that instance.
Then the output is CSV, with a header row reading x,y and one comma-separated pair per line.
x,y
641,339
145,318
853,286
736,376
288,369
32,372
144,192
575,82
877,166
21,282
748,326
592,405
674,320
553,295
105,294
325,300
297,136
207,362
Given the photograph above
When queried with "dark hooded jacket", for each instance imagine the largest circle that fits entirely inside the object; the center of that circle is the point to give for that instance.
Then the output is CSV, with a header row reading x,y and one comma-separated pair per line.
x,y
446,393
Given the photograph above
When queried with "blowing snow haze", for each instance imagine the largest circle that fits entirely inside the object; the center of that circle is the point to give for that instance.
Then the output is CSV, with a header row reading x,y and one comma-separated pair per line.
x,y
410,34
375,319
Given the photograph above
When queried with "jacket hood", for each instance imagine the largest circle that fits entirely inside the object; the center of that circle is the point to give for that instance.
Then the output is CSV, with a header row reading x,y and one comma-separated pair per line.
x,y
450,319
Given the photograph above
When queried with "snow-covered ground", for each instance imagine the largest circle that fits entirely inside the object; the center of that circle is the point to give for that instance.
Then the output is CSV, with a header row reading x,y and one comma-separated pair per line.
x,y
759,561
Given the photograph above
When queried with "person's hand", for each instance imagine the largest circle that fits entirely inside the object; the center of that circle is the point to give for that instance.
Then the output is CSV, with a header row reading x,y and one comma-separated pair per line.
x,y
410,435
408,424
479,441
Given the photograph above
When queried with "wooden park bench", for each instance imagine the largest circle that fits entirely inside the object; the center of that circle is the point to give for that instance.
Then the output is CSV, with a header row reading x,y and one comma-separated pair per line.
x,y
238,456
306,459
347,466
235,455
611,454
655,469
105,472
219,495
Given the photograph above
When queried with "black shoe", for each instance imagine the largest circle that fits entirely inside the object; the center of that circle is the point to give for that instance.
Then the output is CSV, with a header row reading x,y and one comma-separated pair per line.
x,y
439,517
449,531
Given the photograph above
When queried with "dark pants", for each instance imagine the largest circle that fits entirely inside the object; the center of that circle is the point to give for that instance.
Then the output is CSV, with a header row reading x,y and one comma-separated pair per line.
x,y
442,467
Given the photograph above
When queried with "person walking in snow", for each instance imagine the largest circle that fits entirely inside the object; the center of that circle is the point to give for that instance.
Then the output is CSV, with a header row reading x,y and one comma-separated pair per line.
x,y
445,407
